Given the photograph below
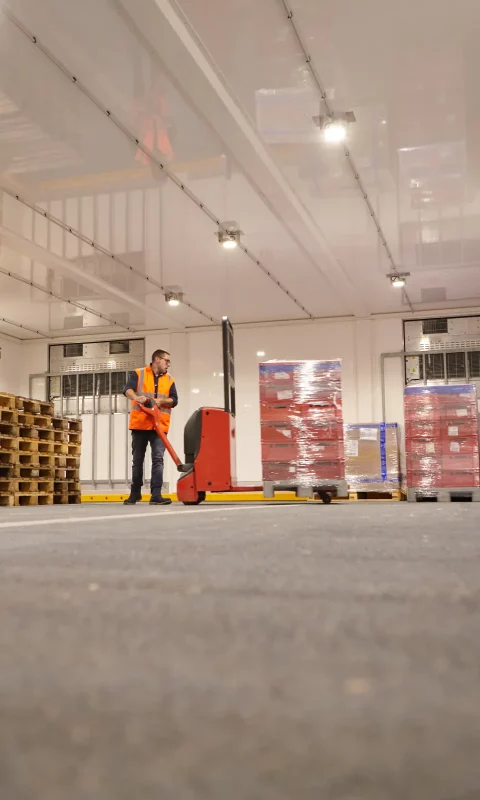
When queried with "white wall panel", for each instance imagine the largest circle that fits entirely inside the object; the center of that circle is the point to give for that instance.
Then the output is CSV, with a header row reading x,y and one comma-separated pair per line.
x,y
10,366
198,371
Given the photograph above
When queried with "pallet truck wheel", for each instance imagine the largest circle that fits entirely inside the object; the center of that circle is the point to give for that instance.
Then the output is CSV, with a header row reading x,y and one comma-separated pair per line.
x,y
200,499
323,496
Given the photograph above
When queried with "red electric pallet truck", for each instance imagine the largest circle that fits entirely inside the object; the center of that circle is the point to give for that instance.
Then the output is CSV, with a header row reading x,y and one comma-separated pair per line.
x,y
209,442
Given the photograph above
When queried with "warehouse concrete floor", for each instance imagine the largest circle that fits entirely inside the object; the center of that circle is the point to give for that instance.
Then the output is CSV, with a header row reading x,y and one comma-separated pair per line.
x,y
215,653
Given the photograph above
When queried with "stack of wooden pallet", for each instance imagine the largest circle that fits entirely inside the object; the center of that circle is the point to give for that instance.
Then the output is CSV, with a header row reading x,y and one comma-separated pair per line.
x,y
39,454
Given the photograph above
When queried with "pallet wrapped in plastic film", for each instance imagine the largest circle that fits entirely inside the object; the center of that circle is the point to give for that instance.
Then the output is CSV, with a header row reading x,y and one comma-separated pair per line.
x,y
301,422
441,436
372,457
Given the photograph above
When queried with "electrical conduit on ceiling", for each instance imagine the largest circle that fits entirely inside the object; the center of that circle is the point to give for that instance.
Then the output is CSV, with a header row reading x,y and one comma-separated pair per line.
x,y
139,145
314,73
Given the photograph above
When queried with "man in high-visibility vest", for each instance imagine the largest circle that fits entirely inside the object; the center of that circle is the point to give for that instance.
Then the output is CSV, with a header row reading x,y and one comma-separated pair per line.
x,y
151,381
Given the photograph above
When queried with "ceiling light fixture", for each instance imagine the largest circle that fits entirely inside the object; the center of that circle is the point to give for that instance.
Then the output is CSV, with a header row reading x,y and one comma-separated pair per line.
x,y
334,127
229,235
173,298
398,279
260,353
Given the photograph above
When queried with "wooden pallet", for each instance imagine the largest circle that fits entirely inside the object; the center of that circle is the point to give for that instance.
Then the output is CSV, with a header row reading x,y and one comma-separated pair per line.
x,y
75,438
9,415
33,486
75,425
8,457
28,445
67,487
67,499
33,499
45,448
7,485
38,407
26,419
7,401
66,473
46,460
26,499
38,472
74,450
27,458
42,421
395,495
28,432
8,443
9,429
60,449
6,471
60,423
27,405
60,436
45,434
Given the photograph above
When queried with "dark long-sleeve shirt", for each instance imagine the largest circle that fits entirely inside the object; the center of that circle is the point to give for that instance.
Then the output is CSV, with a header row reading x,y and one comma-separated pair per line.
x,y
132,384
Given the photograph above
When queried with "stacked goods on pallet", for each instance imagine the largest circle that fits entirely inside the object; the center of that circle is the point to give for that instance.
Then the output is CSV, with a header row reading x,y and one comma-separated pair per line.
x,y
301,422
372,457
441,432
32,446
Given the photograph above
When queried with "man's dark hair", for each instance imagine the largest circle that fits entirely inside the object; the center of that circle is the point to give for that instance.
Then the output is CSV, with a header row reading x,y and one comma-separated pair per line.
x,y
159,354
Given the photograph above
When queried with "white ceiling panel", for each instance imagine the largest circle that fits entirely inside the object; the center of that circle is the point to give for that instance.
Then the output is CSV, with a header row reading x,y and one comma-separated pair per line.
x,y
407,72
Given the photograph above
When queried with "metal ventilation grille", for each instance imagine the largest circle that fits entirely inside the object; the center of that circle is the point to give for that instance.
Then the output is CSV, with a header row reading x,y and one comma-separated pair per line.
x,y
456,366
119,380
73,350
430,326
474,364
434,367
127,364
119,348
445,345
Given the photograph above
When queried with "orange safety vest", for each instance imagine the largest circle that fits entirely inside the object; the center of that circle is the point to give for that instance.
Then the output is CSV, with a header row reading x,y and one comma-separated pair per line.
x,y
139,421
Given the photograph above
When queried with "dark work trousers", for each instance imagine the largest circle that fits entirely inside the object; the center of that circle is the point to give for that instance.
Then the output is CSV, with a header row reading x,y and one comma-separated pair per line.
x,y
140,440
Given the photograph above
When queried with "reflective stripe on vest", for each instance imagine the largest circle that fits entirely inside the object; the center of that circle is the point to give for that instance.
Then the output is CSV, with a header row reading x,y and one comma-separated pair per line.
x,y
141,378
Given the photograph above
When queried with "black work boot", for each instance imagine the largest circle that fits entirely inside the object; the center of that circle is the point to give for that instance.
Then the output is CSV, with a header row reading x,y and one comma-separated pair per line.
x,y
134,498
158,500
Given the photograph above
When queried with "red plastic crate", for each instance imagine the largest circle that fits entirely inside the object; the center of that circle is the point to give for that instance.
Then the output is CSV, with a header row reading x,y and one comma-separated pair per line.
x,y
328,450
457,478
459,411
277,394
320,431
277,412
459,428
424,480
462,463
424,447
423,430
278,433
419,401
456,446
278,472
283,452
425,465
281,376
322,471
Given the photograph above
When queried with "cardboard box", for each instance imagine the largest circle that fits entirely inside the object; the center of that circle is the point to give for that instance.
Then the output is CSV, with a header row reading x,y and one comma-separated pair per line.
x,y
372,460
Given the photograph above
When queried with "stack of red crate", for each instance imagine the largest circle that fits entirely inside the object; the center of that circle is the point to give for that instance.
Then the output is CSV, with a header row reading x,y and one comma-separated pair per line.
x,y
301,422
441,432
